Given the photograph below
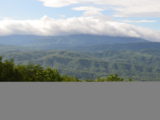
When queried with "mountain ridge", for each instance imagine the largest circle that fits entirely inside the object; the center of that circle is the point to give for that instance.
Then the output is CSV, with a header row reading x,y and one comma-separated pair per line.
x,y
55,42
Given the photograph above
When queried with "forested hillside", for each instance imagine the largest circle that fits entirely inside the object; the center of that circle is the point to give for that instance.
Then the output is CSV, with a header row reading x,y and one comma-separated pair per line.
x,y
9,72
86,56
138,64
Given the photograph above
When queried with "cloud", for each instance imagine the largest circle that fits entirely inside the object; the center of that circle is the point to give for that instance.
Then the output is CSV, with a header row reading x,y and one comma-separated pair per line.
x,y
58,3
89,10
122,8
140,21
76,25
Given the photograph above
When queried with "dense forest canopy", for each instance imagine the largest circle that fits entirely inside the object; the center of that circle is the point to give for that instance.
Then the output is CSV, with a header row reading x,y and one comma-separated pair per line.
x,y
141,65
9,72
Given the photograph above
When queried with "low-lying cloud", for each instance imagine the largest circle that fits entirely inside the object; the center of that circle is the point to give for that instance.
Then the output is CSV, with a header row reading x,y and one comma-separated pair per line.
x,y
76,25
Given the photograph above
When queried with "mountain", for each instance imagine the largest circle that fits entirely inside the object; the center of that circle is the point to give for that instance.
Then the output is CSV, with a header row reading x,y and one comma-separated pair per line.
x,y
86,56
122,46
142,65
64,42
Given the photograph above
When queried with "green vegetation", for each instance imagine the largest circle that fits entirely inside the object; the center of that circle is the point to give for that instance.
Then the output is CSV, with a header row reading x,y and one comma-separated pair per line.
x,y
142,65
85,57
138,61
111,78
9,72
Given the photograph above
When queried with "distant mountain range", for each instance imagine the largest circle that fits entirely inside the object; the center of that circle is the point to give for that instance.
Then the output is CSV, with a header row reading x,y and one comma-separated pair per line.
x,y
65,42
86,56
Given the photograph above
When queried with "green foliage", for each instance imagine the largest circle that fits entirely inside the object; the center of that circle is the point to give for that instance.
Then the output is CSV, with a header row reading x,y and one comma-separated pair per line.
x,y
70,79
143,65
9,72
140,61
110,78
29,73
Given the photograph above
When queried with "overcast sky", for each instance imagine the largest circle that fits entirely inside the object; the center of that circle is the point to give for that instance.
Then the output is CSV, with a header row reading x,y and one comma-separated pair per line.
x,y
137,18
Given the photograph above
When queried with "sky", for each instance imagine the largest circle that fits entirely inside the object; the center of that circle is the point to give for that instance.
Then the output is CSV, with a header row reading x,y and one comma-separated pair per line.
x,y
135,18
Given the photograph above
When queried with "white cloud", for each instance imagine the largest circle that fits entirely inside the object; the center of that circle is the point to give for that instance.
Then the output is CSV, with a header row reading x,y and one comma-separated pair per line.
x,y
123,8
89,10
139,21
76,25
58,3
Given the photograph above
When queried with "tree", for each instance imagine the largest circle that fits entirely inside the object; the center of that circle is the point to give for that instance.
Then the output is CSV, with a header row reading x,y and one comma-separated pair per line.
x,y
110,78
